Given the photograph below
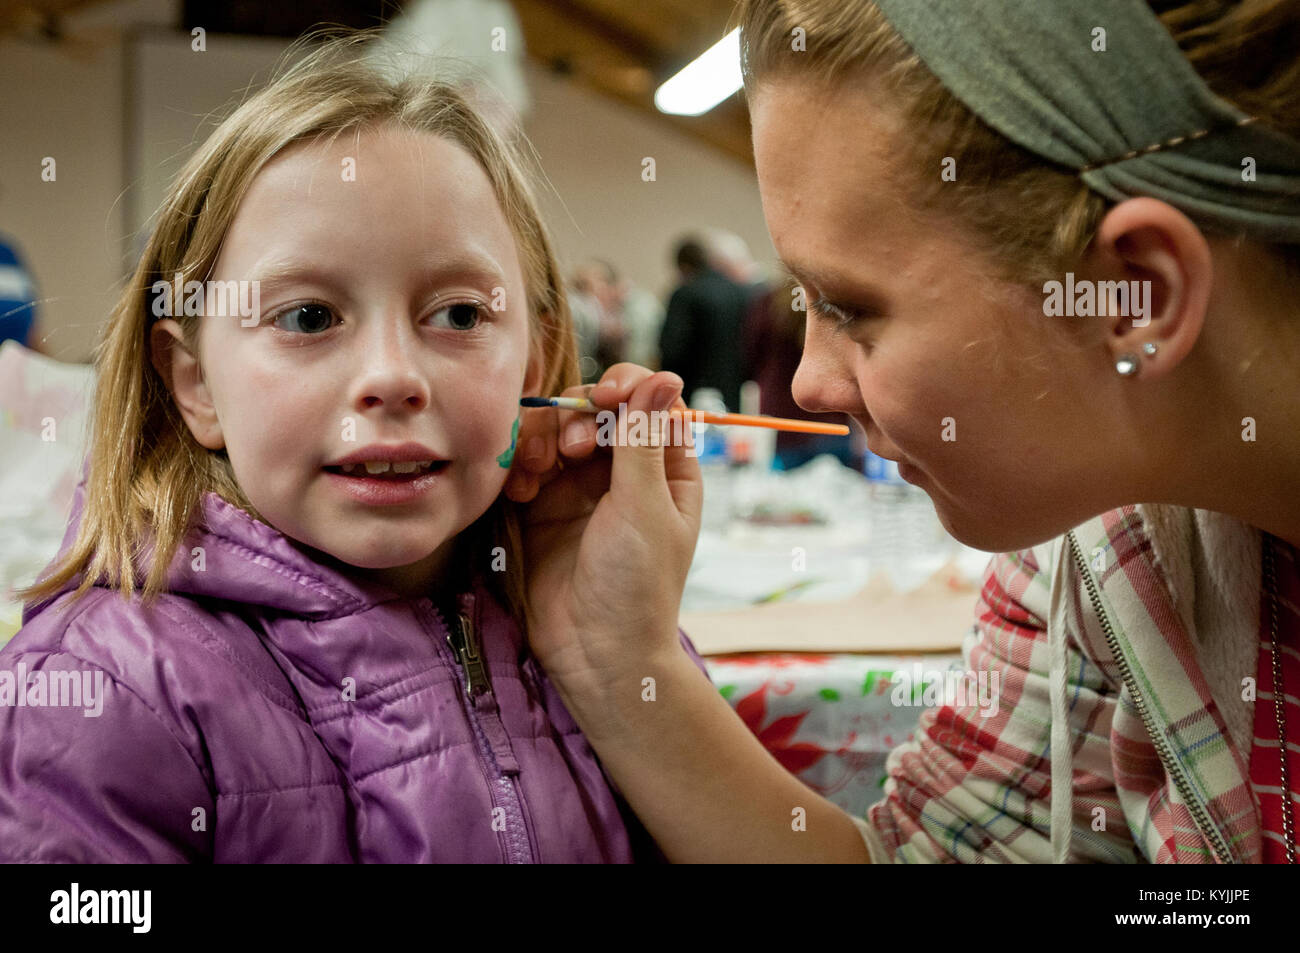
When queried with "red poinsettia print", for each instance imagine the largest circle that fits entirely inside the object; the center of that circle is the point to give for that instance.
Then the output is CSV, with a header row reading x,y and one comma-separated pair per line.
x,y
775,737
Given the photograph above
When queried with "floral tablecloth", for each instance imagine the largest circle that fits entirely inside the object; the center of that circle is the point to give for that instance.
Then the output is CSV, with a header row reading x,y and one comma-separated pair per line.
x,y
829,719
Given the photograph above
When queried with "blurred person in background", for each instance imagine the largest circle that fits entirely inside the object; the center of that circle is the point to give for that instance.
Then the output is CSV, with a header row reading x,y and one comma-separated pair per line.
x,y
17,299
730,256
585,310
772,348
597,280
700,340
633,316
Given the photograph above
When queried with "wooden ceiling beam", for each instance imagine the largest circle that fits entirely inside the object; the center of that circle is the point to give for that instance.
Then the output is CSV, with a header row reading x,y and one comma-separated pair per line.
x,y
623,65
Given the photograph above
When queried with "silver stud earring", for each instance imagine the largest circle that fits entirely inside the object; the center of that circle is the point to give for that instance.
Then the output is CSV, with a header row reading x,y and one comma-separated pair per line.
x,y
1150,348
1127,365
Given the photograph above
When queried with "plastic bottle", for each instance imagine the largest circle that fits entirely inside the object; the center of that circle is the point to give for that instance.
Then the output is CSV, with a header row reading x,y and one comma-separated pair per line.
x,y
904,528
715,468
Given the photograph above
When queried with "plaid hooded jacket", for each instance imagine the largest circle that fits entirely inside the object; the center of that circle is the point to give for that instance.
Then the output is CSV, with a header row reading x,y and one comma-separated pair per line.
x,y
1120,647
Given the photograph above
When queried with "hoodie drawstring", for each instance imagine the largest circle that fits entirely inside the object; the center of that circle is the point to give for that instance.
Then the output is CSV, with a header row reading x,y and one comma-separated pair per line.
x,y
1061,753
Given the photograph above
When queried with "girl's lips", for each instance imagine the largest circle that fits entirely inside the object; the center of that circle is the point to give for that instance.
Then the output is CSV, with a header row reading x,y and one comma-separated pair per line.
x,y
386,489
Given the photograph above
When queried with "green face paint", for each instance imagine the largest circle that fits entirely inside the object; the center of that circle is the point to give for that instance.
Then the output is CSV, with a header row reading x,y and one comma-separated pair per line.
x,y
508,456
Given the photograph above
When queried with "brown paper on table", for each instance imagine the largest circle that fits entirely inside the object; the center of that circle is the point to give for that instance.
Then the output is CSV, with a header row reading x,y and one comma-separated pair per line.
x,y
931,618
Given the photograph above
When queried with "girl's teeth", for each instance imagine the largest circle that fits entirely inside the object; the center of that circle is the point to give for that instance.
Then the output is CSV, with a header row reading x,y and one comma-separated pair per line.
x,y
376,467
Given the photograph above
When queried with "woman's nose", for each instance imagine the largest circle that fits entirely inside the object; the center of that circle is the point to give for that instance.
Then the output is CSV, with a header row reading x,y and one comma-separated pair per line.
x,y
824,382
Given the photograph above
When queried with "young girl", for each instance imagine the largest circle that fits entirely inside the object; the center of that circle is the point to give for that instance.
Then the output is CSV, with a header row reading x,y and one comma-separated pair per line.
x,y
306,410
934,172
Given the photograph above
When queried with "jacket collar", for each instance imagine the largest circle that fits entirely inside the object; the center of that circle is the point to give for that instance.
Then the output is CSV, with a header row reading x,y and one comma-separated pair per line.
x,y
230,555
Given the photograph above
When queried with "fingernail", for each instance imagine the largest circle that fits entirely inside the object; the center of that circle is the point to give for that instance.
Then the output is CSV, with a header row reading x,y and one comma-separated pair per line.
x,y
611,383
534,449
573,434
663,397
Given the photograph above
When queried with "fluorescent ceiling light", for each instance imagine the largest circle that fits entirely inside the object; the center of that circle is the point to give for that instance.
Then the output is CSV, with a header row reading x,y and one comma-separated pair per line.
x,y
704,82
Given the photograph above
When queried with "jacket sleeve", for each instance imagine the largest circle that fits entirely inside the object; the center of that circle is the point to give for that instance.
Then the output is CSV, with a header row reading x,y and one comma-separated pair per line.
x,y
81,787
689,648
974,783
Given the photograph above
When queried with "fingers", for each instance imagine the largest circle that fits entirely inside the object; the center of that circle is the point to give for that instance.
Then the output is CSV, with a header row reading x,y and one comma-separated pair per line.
x,y
578,431
548,435
639,460
521,486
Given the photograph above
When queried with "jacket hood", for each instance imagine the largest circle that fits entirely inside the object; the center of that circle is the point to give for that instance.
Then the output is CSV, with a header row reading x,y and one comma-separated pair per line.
x,y
229,555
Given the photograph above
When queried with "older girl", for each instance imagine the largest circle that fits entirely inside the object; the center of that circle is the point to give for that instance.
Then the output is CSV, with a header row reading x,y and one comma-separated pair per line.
x,y
934,173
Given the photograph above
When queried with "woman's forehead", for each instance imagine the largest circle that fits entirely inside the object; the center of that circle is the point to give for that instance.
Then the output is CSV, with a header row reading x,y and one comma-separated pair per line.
x,y
836,189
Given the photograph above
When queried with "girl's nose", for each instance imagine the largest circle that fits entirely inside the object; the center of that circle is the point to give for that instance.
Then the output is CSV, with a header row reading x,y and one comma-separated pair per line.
x,y
393,377
395,392
824,381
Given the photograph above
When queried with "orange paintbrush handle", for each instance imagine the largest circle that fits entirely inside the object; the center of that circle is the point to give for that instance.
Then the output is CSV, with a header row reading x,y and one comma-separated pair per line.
x,y
772,423
700,416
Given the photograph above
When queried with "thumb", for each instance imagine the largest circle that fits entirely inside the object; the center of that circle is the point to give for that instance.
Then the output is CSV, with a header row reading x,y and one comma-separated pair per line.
x,y
638,468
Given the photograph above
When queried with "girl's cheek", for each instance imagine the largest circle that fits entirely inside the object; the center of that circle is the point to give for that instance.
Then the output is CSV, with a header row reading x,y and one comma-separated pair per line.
x,y
486,419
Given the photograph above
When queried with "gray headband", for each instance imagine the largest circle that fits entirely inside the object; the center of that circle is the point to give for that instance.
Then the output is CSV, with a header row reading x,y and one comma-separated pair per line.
x,y
1136,119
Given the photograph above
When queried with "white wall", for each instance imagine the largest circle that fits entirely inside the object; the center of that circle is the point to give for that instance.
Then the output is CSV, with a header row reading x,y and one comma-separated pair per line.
x,y
591,149
122,108
69,231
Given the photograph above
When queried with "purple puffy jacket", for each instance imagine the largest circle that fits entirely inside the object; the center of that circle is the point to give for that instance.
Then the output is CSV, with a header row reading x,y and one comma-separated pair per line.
x,y
224,729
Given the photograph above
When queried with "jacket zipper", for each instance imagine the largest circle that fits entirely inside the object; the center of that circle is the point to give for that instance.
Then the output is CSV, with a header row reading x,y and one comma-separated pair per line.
x,y
505,794
465,647
1209,830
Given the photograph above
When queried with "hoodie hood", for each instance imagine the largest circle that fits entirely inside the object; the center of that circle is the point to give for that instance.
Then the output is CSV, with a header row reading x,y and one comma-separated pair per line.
x,y
230,555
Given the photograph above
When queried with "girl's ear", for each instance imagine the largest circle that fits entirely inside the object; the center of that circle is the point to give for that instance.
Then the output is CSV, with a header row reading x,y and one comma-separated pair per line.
x,y
180,371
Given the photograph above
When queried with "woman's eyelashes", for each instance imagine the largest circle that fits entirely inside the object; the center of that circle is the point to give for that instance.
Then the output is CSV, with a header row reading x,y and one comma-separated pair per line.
x,y
843,316
314,318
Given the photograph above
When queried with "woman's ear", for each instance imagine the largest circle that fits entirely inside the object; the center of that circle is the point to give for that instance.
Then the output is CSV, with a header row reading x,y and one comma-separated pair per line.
x,y
1155,258
181,373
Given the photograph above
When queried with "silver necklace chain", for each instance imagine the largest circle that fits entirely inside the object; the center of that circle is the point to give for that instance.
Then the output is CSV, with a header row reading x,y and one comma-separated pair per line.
x,y
1279,705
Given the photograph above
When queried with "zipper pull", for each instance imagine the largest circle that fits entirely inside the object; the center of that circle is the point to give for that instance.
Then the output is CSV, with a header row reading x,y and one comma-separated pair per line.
x,y
464,645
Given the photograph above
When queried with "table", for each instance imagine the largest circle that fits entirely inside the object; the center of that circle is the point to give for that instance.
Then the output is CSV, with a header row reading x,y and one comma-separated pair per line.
x,y
828,719
805,628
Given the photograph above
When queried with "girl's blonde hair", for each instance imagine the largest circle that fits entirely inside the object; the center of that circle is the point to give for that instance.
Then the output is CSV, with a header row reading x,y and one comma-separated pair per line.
x,y
147,473
1036,218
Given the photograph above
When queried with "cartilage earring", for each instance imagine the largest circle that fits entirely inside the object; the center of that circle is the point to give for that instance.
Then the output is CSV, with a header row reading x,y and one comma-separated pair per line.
x,y
1127,365
1150,348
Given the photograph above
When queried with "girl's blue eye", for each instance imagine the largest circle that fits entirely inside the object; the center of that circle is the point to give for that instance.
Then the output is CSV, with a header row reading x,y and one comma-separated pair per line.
x,y
462,316
313,318
317,318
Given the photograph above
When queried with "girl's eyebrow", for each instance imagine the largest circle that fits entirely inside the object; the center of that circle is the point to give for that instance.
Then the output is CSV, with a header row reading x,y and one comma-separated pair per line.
x,y
476,268
472,267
